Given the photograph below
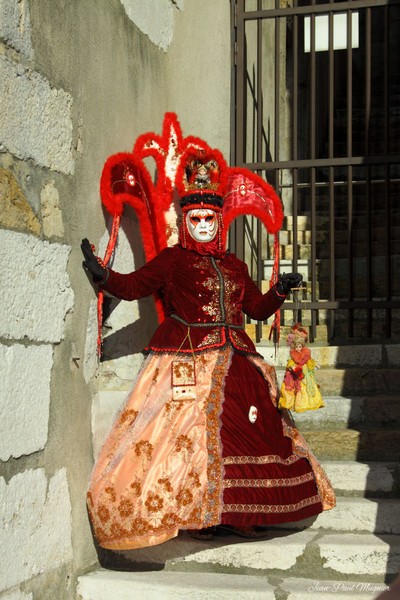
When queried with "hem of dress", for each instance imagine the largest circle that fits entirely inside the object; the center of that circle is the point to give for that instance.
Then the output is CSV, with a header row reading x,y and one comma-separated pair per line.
x,y
139,542
265,519
291,408
324,487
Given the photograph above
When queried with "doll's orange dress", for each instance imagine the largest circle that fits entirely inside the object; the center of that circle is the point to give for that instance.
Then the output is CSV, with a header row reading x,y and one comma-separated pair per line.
x,y
299,390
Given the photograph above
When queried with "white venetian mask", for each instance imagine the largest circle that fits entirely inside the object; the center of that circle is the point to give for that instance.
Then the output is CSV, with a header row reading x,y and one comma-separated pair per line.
x,y
202,224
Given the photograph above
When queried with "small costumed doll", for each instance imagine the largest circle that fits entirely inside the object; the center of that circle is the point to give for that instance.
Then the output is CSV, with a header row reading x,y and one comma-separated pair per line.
x,y
299,391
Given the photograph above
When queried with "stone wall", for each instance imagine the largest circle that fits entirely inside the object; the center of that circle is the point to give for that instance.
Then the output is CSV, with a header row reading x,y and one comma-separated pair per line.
x,y
79,81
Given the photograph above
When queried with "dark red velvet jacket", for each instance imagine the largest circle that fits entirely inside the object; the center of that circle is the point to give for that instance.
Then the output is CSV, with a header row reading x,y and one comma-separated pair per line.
x,y
207,293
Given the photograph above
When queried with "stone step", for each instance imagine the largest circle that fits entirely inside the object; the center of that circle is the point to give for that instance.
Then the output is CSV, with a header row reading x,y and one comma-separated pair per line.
x,y
355,445
361,355
368,479
358,381
170,585
355,515
301,553
360,331
354,381
310,589
343,412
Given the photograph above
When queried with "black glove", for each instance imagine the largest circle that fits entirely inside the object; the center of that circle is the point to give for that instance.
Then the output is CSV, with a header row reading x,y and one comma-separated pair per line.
x,y
287,281
91,263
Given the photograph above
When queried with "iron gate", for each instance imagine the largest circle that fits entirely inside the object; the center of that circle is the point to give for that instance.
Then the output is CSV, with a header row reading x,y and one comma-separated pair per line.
x,y
316,111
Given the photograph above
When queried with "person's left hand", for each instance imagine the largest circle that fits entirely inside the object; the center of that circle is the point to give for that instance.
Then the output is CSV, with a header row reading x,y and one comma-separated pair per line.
x,y
288,281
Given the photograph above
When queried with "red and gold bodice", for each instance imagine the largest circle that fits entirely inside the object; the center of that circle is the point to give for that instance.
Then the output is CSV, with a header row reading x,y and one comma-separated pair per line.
x,y
204,295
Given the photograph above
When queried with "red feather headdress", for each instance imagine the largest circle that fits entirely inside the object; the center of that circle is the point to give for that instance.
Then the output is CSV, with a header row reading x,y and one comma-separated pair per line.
x,y
126,180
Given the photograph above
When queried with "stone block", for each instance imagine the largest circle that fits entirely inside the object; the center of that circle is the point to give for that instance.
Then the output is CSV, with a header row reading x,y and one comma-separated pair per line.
x,y
35,119
357,381
329,356
106,405
350,477
91,361
24,412
280,551
361,554
337,410
314,589
129,325
350,444
51,213
15,25
356,515
393,355
164,585
303,252
15,212
17,595
352,411
35,531
155,18
36,291
303,222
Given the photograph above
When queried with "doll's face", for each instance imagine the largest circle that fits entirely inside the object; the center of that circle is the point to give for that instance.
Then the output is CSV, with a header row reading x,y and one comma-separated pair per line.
x,y
202,224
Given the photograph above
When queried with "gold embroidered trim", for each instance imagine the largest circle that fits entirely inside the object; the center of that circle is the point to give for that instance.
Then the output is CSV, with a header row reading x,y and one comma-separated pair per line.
x,y
211,338
260,460
238,340
232,289
271,508
300,446
269,483
215,469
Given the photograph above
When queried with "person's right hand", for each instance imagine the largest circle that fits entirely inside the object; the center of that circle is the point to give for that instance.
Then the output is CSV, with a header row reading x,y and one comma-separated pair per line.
x,y
91,263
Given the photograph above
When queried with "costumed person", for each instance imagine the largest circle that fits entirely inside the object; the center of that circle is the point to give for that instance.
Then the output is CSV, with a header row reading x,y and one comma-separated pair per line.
x,y
299,390
199,442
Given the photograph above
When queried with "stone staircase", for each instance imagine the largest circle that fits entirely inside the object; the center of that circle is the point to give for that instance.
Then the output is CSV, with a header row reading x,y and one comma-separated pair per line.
x,y
348,553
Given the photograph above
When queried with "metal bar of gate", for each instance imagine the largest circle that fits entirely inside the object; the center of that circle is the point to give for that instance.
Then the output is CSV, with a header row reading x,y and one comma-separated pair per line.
x,y
289,11
349,152
295,143
368,117
240,157
259,156
331,145
313,328
324,162
388,270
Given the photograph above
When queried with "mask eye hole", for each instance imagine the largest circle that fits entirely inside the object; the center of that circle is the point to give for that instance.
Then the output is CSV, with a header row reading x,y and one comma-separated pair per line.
x,y
209,218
